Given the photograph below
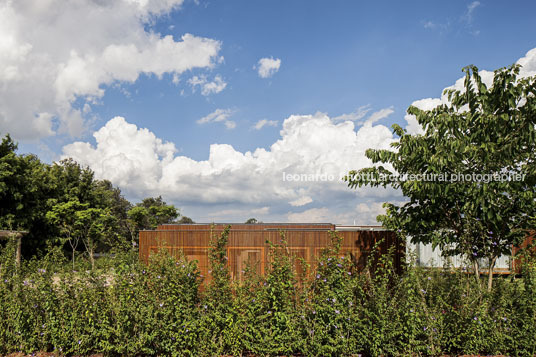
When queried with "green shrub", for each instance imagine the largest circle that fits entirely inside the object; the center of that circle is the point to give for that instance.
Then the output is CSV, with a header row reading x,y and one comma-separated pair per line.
x,y
273,310
124,307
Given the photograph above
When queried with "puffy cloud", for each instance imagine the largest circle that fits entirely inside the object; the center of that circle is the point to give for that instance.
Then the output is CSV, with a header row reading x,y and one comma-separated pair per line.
x,y
528,63
126,155
208,87
54,52
302,168
154,7
219,115
413,126
264,122
267,67
290,180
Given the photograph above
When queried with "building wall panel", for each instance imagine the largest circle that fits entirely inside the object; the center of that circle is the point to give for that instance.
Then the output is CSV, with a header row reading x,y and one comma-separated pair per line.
x,y
247,243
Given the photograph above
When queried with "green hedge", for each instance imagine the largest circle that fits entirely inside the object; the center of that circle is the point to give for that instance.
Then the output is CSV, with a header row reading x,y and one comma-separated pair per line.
x,y
128,308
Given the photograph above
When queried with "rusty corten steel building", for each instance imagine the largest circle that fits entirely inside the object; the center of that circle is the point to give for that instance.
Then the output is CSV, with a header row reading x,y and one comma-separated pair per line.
x,y
247,242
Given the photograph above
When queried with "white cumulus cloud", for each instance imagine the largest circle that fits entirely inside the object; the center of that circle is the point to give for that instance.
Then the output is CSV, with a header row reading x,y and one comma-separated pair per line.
x,y
142,165
283,182
54,52
528,68
267,67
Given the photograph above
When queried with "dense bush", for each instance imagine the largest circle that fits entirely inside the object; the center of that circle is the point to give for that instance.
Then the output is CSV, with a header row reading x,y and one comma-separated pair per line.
x,y
128,308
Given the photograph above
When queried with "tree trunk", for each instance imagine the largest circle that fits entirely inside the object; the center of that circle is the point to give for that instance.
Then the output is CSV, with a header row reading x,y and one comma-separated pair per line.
x,y
477,272
18,239
90,249
490,272
73,258
92,259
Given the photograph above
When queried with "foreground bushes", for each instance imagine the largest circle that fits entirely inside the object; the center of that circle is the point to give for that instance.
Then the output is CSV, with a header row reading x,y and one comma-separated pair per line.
x,y
133,309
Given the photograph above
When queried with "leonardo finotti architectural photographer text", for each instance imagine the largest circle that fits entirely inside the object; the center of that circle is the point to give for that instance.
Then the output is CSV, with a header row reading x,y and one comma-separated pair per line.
x,y
442,177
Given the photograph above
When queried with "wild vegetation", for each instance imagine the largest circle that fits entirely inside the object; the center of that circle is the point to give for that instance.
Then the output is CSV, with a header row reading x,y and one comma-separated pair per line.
x,y
63,205
127,308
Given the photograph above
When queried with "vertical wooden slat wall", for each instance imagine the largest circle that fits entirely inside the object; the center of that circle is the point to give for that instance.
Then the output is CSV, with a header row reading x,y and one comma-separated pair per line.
x,y
247,243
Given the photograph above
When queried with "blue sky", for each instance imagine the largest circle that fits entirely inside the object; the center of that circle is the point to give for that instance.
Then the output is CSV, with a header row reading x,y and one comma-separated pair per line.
x,y
335,57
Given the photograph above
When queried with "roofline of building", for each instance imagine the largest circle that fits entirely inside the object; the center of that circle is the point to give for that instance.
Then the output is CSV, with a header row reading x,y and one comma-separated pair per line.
x,y
294,226
249,224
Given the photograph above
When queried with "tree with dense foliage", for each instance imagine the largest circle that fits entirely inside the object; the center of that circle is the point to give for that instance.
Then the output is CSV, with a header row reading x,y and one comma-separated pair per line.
x,y
53,202
185,220
96,229
252,221
480,146
150,213
64,216
21,180
93,203
116,206
23,194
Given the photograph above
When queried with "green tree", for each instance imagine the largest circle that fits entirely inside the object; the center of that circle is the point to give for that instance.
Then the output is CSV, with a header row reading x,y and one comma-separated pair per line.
x,y
66,218
110,199
23,190
252,221
150,213
77,223
95,228
481,130
185,220
70,181
29,189
17,186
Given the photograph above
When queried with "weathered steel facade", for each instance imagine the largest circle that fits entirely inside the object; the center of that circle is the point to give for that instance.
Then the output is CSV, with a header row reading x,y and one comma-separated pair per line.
x,y
247,243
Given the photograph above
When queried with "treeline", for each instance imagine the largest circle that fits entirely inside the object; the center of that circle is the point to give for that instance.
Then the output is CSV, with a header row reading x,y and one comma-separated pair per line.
x,y
63,205
165,309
